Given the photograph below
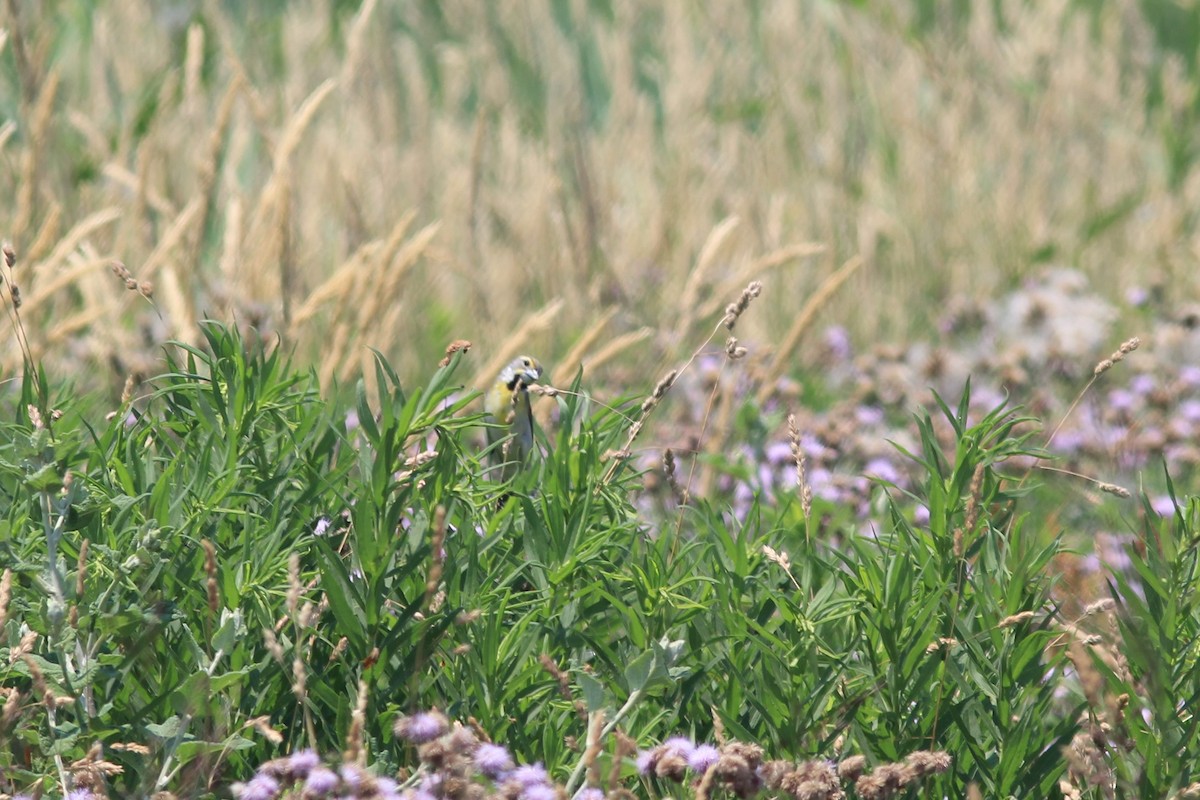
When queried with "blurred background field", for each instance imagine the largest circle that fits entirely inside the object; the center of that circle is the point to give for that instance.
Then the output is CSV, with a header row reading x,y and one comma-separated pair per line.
x,y
584,179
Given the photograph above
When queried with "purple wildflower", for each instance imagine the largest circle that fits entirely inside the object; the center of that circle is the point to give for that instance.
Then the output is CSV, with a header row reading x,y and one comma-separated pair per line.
x,y
80,794
1121,399
1190,375
883,469
539,791
1067,441
680,746
260,787
1143,384
778,453
321,527
645,761
321,781
837,342
822,483
1163,505
351,775
303,762
493,760
703,757
530,775
868,416
423,727
814,448
388,789
590,793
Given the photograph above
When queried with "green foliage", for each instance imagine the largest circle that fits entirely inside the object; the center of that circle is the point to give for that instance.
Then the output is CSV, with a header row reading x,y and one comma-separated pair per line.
x,y
1159,669
382,555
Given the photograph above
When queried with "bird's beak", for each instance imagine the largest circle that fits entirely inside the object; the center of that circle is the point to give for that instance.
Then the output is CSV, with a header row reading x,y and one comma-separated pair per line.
x,y
531,375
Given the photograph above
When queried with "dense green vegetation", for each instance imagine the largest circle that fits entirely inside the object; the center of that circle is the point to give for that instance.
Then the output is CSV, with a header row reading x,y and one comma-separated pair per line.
x,y
228,548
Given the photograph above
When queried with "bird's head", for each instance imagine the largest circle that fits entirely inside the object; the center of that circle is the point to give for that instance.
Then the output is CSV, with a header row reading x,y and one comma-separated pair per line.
x,y
523,370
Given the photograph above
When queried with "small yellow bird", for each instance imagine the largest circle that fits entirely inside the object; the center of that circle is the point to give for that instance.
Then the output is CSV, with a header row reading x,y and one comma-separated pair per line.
x,y
507,403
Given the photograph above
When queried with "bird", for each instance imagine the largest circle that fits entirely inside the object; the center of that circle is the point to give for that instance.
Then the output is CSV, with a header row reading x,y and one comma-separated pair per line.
x,y
507,404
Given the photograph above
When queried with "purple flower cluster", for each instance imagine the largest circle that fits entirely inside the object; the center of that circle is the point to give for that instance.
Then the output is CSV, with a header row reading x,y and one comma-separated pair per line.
x,y
304,773
675,755
1037,347
742,770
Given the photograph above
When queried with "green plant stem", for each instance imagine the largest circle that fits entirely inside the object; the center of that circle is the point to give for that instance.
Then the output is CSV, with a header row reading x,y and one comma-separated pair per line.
x,y
57,610
166,773
577,773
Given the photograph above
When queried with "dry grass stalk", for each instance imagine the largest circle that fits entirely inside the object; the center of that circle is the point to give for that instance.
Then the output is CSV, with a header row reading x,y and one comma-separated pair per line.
x,y
273,646
294,586
806,494
648,405
355,42
81,566
591,753
39,125
1118,356
615,347
262,725
386,308
563,680
437,554
971,513
1015,619
376,291
712,247
25,69
457,346
784,562
127,180
782,358
207,170
715,430
355,752
569,364
271,217
193,64
678,492
210,570
348,275
91,224
1127,347
5,596
510,347
735,310
755,268
175,235
12,709
47,235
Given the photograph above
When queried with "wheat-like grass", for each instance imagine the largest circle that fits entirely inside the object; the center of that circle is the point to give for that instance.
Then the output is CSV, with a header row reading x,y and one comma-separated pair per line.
x,y
507,349
293,170
785,352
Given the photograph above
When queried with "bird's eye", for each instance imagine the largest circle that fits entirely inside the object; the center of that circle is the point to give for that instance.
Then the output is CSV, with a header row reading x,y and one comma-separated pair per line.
x,y
525,361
